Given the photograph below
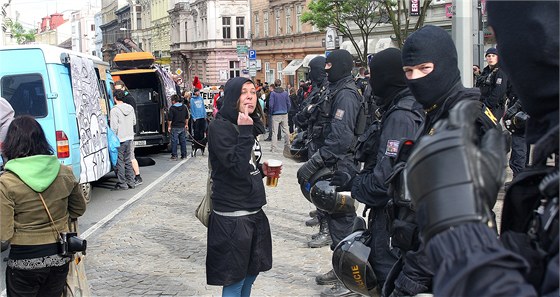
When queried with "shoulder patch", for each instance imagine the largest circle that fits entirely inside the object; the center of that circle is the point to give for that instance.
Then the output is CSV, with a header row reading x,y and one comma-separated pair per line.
x,y
339,115
499,81
392,148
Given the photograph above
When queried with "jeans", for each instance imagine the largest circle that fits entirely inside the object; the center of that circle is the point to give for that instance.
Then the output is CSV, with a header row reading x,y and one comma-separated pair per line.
x,y
125,173
49,281
282,120
241,288
178,135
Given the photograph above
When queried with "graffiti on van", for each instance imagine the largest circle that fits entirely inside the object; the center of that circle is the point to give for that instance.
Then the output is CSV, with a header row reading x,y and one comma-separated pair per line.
x,y
92,126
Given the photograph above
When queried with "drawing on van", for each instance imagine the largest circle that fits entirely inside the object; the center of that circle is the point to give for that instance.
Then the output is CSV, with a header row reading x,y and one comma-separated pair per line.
x,y
66,92
92,126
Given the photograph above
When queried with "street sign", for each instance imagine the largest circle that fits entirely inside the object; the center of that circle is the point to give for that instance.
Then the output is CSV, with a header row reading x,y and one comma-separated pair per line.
x,y
252,54
242,50
179,71
252,72
245,71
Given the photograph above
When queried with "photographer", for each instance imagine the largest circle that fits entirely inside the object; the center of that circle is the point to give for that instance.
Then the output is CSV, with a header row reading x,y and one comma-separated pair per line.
x,y
36,266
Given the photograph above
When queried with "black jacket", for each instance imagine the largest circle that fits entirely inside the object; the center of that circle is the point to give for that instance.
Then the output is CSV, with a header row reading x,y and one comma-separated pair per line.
x,y
401,122
178,115
236,176
493,84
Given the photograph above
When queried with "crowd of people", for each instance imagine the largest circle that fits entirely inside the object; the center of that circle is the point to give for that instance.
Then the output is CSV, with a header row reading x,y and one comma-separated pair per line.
x,y
422,152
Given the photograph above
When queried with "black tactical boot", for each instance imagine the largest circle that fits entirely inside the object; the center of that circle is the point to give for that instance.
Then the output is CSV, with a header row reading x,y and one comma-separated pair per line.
x,y
313,213
324,236
328,278
338,290
312,222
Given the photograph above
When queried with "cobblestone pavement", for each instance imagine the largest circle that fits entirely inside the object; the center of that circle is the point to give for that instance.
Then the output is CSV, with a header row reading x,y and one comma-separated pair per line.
x,y
157,247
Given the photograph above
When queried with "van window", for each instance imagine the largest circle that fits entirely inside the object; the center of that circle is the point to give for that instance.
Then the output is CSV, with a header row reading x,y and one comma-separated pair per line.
x,y
26,94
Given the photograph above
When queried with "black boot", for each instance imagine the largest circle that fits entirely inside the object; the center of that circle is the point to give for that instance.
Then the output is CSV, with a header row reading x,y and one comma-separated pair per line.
x,y
338,290
324,236
312,222
328,278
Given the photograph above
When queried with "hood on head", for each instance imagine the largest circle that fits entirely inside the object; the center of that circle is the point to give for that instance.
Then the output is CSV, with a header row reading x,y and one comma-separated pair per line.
x,y
387,77
229,110
342,63
431,44
317,72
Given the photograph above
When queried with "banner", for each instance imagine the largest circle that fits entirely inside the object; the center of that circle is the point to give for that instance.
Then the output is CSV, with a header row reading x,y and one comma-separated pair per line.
x,y
414,7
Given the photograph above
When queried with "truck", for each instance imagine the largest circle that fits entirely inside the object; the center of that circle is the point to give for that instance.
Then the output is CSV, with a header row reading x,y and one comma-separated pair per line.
x,y
152,87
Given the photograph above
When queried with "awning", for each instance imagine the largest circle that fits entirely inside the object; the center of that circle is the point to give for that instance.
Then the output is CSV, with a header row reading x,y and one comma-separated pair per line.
x,y
132,71
384,43
292,67
308,59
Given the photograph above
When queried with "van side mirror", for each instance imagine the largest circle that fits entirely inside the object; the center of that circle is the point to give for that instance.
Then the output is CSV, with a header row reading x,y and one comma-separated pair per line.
x,y
65,58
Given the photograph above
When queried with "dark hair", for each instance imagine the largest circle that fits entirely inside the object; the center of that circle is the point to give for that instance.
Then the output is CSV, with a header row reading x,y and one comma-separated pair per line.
x,y
176,98
25,138
277,82
119,94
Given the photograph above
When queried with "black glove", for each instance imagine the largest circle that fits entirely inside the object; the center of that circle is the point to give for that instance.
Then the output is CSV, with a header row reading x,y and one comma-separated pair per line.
x,y
451,179
520,119
309,168
342,180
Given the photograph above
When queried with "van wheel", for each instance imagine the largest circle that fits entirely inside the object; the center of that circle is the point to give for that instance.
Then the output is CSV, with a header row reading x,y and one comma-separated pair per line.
x,y
86,190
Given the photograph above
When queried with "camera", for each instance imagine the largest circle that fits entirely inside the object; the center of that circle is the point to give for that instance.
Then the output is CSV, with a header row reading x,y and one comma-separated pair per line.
x,y
69,243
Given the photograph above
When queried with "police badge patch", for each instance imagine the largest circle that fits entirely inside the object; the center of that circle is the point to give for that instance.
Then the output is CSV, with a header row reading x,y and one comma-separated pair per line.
x,y
499,81
392,148
339,114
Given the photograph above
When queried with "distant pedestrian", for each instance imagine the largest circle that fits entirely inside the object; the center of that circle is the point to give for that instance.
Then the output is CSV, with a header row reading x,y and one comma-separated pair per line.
x,y
239,239
493,84
294,108
34,266
279,105
177,124
122,123
198,115
129,99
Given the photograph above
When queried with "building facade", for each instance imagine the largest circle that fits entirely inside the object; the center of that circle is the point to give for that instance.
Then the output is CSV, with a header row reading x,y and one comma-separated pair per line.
x,y
205,38
283,43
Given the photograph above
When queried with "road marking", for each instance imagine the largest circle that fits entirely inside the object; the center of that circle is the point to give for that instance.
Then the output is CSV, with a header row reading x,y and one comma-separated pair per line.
x,y
139,195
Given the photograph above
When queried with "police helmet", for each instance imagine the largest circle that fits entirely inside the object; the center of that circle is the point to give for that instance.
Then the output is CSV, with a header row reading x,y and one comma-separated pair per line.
x,y
351,265
326,198
322,174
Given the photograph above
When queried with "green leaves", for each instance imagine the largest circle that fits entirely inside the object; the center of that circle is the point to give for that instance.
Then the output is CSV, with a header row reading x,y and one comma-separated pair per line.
x,y
18,32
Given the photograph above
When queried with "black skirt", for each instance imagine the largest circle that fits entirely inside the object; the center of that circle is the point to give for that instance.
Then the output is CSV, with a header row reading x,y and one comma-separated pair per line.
x,y
237,247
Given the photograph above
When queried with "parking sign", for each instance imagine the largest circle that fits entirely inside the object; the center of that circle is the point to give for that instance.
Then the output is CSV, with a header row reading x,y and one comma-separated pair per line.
x,y
252,54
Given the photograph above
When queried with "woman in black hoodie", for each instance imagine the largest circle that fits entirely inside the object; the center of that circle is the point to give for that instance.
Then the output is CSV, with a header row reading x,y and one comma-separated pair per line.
x,y
239,240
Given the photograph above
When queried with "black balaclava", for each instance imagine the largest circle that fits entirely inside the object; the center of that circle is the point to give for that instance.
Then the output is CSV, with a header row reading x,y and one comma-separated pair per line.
x,y
431,44
342,64
229,111
386,76
528,48
317,72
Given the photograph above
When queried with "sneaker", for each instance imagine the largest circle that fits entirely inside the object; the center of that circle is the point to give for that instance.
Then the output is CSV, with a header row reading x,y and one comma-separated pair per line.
x,y
138,180
173,158
323,239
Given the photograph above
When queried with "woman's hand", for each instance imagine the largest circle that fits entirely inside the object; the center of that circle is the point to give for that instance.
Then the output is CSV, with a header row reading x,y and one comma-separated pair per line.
x,y
243,119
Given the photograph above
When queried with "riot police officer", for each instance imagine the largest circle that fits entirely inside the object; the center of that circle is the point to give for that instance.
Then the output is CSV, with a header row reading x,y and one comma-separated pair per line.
x,y
336,127
468,258
308,118
493,84
514,121
435,81
401,119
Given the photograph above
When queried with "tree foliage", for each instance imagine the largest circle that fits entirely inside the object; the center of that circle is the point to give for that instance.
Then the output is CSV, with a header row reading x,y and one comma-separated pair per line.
x,y
399,16
16,30
347,16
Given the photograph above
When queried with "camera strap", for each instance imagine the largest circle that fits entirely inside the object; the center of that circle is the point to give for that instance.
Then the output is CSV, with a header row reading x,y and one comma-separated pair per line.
x,y
50,217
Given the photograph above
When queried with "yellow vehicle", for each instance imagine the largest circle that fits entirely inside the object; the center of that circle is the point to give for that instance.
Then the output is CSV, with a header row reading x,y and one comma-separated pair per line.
x,y
152,87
